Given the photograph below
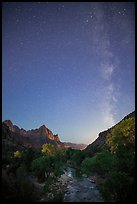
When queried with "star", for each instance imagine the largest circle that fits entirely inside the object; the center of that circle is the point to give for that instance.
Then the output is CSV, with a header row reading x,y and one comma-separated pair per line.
x,y
59,54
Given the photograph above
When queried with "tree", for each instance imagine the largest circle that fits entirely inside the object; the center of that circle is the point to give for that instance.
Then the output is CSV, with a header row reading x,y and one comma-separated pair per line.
x,y
48,149
101,163
117,187
56,158
41,167
29,154
17,154
77,158
122,134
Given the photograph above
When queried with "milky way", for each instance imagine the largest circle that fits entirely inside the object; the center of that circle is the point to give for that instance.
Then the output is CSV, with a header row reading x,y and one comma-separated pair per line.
x,y
69,66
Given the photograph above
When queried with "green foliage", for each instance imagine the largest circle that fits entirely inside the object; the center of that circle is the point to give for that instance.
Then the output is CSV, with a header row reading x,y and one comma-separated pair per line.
x,y
41,165
122,134
57,155
69,153
100,163
58,170
121,141
86,165
77,158
124,160
28,155
118,169
116,163
47,166
50,163
48,149
118,187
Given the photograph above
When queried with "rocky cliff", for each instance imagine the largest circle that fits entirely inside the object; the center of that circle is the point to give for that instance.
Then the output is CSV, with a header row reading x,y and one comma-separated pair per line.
x,y
31,138
14,136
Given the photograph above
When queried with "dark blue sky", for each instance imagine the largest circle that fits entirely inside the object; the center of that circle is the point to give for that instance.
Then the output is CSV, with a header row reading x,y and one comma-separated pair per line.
x,y
70,66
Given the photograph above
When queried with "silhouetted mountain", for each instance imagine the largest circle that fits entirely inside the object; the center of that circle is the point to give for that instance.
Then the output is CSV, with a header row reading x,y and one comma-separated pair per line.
x,y
100,142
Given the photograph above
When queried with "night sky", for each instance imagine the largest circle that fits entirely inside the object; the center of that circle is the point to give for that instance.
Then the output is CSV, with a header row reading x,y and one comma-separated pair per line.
x,y
70,66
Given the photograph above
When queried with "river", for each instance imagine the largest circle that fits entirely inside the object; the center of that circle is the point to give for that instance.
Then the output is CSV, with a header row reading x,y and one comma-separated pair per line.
x,y
80,188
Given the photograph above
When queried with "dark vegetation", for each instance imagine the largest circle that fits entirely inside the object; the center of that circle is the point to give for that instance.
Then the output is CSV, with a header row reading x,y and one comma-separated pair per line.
x,y
114,165
22,165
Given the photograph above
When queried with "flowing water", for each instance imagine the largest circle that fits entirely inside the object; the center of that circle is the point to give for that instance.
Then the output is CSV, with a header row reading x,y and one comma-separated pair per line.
x,y
80,188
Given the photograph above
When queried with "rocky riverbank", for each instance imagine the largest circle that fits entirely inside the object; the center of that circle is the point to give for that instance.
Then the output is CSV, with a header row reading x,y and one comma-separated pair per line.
x,y
69,188
79,189
82,190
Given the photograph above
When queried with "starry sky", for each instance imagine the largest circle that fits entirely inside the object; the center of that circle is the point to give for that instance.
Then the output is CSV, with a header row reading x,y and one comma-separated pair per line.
x,y
68,65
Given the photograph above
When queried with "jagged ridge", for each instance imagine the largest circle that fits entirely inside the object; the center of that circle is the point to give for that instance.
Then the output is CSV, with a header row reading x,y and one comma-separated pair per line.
x,y
31,138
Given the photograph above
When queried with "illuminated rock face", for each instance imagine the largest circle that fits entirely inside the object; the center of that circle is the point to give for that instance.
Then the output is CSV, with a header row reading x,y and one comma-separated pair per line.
x,y
56,137
32,138
35,137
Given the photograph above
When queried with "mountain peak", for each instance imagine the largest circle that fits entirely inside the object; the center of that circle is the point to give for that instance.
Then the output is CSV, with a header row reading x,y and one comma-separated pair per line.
x,y
42,127
8,123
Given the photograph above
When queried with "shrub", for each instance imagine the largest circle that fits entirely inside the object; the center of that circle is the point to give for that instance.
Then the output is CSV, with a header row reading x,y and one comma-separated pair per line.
x,y
17,154
115,187
101,163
